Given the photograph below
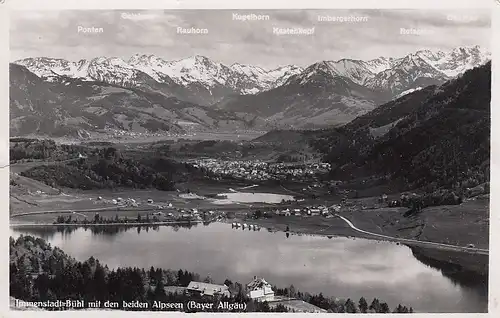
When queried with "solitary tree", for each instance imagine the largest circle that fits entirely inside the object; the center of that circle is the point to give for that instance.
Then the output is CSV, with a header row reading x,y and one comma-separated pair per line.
x,y
350,307
363,305
375,305
384,308
160,293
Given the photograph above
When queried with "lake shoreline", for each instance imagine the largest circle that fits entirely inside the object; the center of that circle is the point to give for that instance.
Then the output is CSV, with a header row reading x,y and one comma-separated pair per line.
x,y
17,225
165,237
465,260
279,224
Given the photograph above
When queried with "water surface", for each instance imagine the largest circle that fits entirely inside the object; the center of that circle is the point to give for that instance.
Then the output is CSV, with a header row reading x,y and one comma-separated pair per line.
x,y
339,267
251,197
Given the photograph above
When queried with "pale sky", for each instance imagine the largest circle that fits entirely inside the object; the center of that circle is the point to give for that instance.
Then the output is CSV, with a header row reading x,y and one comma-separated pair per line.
x,y
55,34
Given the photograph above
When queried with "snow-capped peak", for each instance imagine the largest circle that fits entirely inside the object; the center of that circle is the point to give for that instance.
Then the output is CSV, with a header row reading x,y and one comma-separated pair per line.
x,y
380,64
195,69
248,70
49,68
457,60
355,70
198,70
142,59
150,64
266,79
111,61
113,70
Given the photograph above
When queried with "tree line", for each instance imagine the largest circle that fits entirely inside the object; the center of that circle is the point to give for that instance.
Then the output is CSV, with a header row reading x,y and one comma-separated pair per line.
x,y
110,168
146,218
334,305
35,149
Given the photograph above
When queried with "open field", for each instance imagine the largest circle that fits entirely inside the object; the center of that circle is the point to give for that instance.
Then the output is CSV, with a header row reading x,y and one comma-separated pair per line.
x,y
311,225
467,223
443,224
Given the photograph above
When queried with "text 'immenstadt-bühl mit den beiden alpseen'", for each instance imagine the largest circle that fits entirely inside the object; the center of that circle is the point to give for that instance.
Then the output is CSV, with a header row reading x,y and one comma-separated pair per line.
x,y
76,304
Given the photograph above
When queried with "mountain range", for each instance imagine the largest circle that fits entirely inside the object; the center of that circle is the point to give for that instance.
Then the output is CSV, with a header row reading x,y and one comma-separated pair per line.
x,y
146,89
335,92
76,108
195,79
433,139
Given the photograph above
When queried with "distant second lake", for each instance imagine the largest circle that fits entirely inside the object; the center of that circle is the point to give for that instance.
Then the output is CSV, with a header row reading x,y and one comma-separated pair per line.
x,y
251,197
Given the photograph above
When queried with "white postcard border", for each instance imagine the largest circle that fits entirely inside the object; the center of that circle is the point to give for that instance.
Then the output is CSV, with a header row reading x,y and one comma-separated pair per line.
x,y
6,5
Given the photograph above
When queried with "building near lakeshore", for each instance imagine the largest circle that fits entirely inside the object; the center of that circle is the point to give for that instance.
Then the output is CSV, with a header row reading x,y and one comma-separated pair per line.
x,y
208,289
259,289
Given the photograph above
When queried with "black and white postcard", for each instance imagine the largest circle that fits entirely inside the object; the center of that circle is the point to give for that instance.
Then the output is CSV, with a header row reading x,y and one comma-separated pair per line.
x,y
249,160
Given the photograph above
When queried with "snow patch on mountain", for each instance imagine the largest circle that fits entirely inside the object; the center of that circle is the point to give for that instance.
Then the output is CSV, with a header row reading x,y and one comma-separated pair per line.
x,y
380,64
403,75
355,70
114,71
459,60
246,79
198,69
195,69
250,91
408,91
254,72
51,68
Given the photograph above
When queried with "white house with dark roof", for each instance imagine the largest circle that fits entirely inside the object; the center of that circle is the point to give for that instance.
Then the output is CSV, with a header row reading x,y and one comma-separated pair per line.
x,y
208,289
260,290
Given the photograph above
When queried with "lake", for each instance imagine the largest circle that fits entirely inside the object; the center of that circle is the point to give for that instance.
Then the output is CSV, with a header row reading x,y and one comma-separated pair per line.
x,y
248,197
339,267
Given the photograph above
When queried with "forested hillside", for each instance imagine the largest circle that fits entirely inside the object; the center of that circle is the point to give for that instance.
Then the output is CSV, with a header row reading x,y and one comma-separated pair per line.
x,y
105,167
34,149
437,138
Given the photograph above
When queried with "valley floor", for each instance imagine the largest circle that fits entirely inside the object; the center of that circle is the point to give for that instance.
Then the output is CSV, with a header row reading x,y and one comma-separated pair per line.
x,y
460,225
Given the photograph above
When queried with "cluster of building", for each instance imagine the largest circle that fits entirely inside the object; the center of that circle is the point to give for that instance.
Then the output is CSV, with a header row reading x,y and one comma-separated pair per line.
x,y
191,215
120,133
130,202
243,226
127,133
313,210
256,170
166,211
207,289
258,289
127,202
